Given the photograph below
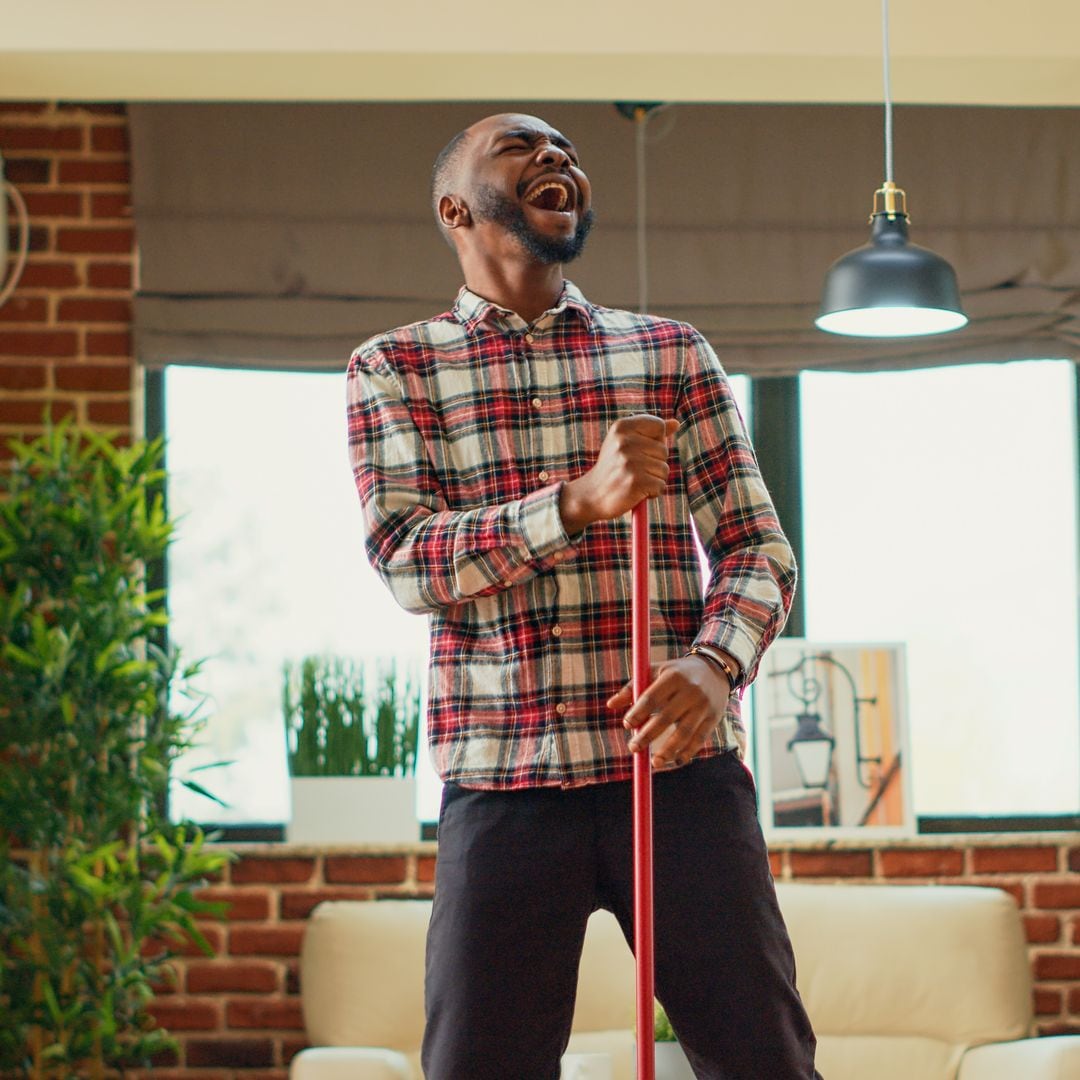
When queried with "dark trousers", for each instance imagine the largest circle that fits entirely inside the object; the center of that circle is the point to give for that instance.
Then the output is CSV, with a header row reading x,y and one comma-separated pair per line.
x,y
517,877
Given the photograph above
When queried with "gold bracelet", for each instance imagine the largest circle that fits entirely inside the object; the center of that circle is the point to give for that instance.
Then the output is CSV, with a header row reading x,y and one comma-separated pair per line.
x,y
710,652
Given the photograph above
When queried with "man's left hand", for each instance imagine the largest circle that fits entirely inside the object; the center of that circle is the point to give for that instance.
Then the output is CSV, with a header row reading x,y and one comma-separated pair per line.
x,y
685,702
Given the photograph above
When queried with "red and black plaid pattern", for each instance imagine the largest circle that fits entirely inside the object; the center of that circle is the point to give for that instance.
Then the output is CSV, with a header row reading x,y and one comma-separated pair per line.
x,y
462,430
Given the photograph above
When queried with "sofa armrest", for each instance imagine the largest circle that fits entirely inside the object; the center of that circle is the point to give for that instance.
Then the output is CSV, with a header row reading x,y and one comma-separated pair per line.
x,y
350,1063
1052,1057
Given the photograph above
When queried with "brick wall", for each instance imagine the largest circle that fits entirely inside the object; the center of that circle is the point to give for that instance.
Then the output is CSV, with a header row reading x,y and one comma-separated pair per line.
x,y
65,345
65,336
238,1015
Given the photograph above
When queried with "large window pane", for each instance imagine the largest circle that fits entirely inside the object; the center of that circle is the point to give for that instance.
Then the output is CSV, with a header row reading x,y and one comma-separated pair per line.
x,y
940,511
268,565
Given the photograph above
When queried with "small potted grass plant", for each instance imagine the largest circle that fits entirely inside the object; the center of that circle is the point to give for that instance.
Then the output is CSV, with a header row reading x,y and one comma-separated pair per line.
x,y
351,736
671,1062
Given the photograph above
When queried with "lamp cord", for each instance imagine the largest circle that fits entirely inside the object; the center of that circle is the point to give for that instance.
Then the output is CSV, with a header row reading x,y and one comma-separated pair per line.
x,y
888,90
13,193
641,118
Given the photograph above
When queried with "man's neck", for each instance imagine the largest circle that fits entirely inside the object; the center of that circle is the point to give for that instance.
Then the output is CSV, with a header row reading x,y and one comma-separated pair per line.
x,y
528,289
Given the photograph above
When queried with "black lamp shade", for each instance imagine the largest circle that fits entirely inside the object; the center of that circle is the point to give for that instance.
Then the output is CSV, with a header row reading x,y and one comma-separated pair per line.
x,y
890,288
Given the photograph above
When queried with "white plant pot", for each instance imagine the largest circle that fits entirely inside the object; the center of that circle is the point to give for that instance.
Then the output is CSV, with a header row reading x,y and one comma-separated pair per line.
x,y
353,810
671,1063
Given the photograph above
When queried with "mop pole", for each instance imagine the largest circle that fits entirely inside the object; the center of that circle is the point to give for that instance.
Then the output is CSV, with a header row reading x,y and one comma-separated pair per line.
x,y
643,814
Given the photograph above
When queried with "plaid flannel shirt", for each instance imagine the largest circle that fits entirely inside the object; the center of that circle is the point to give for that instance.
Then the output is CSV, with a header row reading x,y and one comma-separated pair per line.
x,y
462,430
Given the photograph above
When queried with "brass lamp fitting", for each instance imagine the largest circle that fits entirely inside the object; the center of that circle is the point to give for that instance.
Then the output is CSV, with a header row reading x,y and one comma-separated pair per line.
x,y
890,201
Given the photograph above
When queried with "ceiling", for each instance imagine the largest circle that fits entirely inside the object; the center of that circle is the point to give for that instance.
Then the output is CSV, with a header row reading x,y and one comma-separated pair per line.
x,y
968,52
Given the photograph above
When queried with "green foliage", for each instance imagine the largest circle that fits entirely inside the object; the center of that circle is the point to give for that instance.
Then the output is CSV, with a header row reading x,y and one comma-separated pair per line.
x,y
662,1030
333,727
97,889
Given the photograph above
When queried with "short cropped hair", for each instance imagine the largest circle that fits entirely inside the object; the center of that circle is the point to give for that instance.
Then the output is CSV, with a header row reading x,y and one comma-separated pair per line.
x,y
443,173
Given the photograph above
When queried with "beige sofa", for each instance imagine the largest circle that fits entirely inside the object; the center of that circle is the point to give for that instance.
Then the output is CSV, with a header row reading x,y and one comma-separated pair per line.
x,y
901,982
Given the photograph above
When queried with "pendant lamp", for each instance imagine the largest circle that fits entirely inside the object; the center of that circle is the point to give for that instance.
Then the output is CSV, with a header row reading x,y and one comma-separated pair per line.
x,y
890,287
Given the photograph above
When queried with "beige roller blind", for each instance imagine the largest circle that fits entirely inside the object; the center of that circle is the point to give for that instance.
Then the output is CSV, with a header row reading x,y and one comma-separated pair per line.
x,y
285,234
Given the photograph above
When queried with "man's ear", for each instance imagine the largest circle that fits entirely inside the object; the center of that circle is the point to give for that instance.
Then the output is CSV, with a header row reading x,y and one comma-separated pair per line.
x,y
453,213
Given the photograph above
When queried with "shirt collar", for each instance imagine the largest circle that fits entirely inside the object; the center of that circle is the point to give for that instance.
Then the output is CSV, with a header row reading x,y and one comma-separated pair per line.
x,y
471,310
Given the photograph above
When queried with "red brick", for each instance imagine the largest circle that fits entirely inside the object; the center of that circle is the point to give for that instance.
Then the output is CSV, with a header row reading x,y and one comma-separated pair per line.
x,y
109,413
27,170
49,275
110,139
1047,1002
1050,1030
922,862
1056,894
1057,966
425,868
1076,931
110,205
33,412
25,309
831,864
112,241
53,204
39,343
38,239
256,870
40,137
1013,860
292,979
776,864
245,905
215,937
22,377
230,1053
109,275
116,343
1042,929
112,108
1074,1000
215,976
364,869
94,172
85,377
27,107
265,1014
299,904
90,310
1074,860
186,1015
265,940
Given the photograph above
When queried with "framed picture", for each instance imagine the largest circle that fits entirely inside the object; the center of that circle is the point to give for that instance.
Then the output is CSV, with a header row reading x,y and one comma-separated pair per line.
x,y
831,739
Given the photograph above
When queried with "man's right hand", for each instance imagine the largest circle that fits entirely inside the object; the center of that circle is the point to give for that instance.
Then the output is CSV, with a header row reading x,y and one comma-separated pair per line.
x,y
632,465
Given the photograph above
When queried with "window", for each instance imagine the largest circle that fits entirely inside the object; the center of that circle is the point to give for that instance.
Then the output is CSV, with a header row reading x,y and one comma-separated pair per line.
x,y
940,511
268,565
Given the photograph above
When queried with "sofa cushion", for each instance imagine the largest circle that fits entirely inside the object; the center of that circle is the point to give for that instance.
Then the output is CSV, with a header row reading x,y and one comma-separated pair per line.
x,y
943,963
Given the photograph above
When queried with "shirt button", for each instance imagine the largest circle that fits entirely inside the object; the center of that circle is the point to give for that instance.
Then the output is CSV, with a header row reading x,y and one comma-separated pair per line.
x,y
560,709
544,475
537,403
556,631
529,338
508,583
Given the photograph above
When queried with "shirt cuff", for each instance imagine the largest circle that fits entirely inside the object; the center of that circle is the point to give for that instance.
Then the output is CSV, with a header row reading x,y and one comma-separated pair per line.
x,y
541,523
737,643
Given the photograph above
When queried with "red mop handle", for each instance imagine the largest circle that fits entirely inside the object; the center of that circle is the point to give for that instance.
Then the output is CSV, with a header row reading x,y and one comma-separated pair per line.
x,y
643,814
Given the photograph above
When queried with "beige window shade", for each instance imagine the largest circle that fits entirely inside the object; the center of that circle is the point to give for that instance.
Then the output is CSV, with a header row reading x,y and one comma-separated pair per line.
x,y
283,235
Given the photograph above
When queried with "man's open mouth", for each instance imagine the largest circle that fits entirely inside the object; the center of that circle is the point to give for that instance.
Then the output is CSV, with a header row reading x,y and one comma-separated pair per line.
x,y
554,195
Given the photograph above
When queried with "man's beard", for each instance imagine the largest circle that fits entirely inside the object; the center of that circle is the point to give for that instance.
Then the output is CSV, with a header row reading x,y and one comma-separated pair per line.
x,y
491,205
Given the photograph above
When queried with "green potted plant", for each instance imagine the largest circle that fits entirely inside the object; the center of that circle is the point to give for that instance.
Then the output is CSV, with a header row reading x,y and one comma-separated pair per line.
x,y
351,750
97,888
671,1062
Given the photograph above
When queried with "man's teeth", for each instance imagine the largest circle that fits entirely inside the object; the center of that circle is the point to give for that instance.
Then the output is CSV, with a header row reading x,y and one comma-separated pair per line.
x,y
551,185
